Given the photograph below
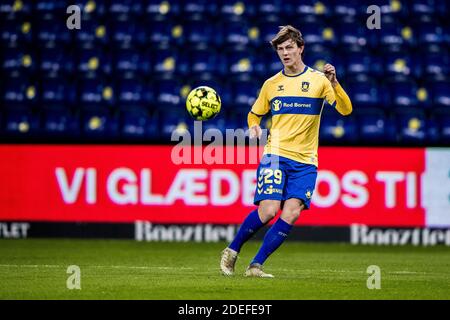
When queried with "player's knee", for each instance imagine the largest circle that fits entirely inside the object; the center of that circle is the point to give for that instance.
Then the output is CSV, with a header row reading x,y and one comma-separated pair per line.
x,y
268,211
291,212
291,215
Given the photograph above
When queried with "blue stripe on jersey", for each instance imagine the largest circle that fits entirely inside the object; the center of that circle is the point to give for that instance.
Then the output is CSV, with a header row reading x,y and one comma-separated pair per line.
x,y
296,105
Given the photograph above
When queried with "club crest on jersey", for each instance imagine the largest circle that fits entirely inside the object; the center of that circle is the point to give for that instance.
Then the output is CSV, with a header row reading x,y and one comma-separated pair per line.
x,y
308,194
276,105
305,86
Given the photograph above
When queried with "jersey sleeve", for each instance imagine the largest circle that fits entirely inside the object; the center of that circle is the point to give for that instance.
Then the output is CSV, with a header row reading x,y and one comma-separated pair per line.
x,y
261,105
337,98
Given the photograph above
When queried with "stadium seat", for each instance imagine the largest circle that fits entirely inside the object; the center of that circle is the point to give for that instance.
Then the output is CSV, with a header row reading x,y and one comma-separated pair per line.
x,y
175,120
337,129
18,62
201,35
43,7
362,62
59,123
236,34
130,62
169,61
441,93
245,93
374,126
403,92
401,64
168,93
57,91
96,92
441,117
207,61
136,124
14,33
348,35
12,9
92,9
411,125
161,32
126,9
99,124
127,33
423,7
157,9
56,62
94,62
346,9
194,9
20,91
21,122
237,10
133,92
435,61
272,64
365,92
53,32
92,34
430,33
315,7
244,62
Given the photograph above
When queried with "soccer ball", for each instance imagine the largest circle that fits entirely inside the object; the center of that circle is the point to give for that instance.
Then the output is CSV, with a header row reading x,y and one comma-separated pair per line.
x,y
203,103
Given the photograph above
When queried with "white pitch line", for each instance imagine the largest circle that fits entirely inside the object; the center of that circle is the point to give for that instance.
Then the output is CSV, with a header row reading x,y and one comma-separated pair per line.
x,y
114,267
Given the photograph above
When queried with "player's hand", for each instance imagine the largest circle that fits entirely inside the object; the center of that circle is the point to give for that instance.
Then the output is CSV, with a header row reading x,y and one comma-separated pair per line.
x,y
255,131
330,73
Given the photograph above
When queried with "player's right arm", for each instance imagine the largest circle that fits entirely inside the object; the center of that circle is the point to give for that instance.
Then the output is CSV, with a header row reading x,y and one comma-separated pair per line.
x,y
259,109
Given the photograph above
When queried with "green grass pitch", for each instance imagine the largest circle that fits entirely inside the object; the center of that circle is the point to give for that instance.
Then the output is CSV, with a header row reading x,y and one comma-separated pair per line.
x,y
125,269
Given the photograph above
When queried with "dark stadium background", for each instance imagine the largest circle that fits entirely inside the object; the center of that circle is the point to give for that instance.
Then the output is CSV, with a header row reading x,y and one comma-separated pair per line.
x,y
124,75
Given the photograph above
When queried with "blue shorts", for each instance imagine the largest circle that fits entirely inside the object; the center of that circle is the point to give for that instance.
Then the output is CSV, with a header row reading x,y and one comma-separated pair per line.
x,y
280,178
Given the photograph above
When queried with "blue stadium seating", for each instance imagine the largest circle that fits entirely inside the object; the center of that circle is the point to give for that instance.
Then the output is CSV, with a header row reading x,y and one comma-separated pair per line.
x,y
99,123
59,123
20,91
57,91
411,125
157,9
21,122
132,92
56,62
94,62
18,62
338,129
174,120
14,33
375,127
96,92
133,60
138,124
130,63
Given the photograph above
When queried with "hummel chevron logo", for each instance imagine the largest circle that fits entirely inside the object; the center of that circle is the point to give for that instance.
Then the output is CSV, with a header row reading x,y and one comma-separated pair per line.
x,y
260,191
260,184
260,178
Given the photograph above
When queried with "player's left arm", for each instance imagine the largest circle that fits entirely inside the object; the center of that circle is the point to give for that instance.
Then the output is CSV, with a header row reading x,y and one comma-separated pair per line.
x,y
334,93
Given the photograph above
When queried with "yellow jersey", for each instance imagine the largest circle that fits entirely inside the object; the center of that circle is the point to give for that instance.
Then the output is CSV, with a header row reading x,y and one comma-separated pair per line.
x,y
296,103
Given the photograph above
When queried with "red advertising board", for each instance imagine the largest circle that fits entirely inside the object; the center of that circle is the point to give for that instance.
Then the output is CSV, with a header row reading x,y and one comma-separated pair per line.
x,y
371,186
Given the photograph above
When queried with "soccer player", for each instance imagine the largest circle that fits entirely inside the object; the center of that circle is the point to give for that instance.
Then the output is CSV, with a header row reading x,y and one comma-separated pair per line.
x,y
286,175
